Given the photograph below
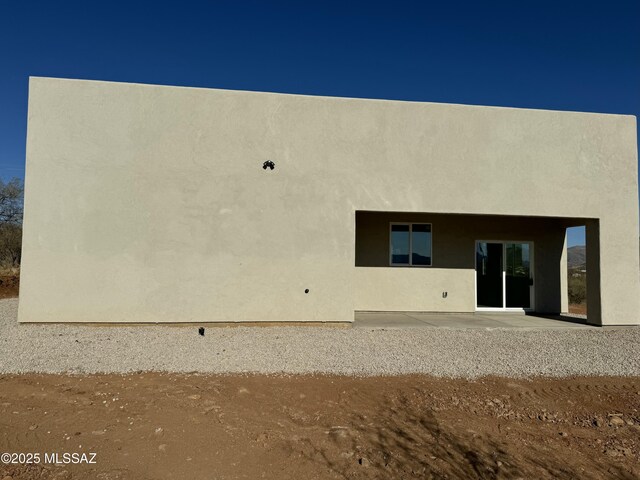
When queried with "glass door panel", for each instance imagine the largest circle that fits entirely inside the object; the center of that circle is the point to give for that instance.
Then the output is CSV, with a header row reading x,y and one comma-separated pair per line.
x,y
489,277
517,275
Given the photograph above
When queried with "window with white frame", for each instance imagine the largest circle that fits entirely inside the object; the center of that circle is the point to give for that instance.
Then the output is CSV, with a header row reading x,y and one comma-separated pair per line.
x,y
410,244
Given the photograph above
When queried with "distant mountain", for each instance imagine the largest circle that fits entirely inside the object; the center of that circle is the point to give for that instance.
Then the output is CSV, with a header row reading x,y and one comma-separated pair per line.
x,y
577,256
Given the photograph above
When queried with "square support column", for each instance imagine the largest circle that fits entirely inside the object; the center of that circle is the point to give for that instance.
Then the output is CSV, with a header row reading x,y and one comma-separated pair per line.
x,y
594,306
564,283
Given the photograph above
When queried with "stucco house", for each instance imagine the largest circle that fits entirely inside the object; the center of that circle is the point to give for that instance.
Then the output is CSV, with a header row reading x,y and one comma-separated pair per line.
x,y
150,203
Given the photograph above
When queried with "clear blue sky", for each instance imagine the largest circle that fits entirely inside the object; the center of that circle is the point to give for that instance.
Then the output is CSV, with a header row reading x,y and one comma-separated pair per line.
x,y
564,55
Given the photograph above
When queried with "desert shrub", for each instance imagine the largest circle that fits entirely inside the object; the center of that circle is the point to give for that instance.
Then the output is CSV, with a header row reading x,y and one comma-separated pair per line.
x,y
10,223
11,201
10,245
577,288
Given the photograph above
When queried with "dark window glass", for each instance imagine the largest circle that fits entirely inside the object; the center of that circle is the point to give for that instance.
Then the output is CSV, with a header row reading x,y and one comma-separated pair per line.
x,y
420,244
400,244
411,244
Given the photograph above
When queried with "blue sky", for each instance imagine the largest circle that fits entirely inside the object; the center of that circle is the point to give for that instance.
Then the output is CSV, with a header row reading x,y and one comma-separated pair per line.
x,y
560,55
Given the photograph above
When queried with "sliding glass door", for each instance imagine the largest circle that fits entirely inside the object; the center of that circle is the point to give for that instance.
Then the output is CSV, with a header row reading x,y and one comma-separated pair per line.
x,y
504,277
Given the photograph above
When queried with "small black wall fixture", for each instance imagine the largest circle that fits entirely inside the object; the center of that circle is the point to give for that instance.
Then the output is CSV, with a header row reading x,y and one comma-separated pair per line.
x,y
268,164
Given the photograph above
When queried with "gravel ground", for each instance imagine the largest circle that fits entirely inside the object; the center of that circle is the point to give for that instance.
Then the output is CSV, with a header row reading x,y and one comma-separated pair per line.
x,y
440,352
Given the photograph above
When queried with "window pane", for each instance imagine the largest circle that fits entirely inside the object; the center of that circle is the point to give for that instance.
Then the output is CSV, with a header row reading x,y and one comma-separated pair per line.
x,y
400,244
421,244
518,259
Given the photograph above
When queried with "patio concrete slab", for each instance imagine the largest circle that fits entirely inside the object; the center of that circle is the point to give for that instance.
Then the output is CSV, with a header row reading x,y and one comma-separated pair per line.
x,y
402,320
387,320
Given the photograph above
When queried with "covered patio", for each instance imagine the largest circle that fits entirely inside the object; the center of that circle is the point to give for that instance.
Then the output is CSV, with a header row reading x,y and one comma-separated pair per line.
x,y
489,270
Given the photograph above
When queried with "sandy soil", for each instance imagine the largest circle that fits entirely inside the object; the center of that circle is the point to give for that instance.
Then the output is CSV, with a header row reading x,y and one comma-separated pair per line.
x,y
152,426
580,308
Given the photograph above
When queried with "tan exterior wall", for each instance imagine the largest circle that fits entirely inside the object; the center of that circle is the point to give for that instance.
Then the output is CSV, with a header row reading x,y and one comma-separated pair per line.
x,y
149,203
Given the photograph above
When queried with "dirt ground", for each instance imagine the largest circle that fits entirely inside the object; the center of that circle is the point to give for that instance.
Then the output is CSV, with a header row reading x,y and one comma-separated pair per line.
x,y
580,308
161,426
9,284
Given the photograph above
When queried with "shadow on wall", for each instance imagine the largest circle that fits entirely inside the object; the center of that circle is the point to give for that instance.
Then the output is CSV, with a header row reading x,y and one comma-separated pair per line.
x,y
454,239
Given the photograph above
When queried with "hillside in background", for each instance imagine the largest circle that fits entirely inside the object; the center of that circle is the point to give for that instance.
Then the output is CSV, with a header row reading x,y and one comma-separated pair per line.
x,y
576,256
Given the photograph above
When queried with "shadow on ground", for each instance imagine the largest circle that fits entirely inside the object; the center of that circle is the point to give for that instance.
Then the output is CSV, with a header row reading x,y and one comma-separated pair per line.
x,y
406,439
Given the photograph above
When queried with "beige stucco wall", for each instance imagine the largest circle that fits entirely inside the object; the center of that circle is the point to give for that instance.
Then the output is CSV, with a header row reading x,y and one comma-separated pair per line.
x,y
149,203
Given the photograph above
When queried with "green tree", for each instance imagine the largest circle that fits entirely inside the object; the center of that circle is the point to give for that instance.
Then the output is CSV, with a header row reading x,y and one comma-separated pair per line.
x,y
11,201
